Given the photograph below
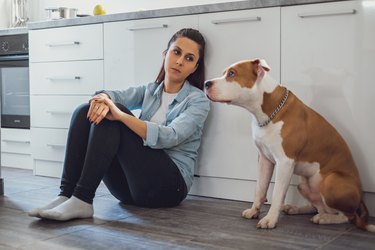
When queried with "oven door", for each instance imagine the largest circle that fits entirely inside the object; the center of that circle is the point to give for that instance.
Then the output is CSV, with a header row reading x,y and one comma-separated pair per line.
x,y
15,95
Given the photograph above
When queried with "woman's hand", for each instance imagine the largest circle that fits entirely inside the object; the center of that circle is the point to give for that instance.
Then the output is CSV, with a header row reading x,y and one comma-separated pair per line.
x,y
98,109
101,106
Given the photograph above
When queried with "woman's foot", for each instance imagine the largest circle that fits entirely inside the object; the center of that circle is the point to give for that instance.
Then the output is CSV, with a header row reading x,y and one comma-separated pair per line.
x,y
73,208
36,211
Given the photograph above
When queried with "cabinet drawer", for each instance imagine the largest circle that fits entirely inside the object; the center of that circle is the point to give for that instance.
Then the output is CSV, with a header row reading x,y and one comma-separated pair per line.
x,y
15,141
66,43
48,144
48,168
54,111
15,160
66,78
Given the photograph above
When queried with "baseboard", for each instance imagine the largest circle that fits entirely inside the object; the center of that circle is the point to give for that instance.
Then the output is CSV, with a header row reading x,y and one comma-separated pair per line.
x,y
1,186
244,190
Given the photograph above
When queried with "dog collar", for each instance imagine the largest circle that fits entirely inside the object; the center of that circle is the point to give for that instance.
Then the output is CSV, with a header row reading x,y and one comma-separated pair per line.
x,y
278,108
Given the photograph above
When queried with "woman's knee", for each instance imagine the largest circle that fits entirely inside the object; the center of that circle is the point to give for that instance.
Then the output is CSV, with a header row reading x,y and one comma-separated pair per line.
x,y
81,110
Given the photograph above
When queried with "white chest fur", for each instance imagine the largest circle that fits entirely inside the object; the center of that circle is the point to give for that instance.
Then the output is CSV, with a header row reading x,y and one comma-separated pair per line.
x,y
269,141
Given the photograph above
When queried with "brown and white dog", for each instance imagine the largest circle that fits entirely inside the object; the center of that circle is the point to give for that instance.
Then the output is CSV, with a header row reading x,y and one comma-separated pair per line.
x,y
293,138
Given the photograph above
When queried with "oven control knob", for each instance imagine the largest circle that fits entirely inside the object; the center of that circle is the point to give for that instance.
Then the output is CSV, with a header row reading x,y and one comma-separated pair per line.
x,y
25,46
5,46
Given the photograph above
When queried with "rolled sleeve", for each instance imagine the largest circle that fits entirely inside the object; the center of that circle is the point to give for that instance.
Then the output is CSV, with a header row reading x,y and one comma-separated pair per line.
x,y
151,134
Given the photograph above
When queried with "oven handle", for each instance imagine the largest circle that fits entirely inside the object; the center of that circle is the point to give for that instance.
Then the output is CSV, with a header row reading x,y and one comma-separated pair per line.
x,y
14,58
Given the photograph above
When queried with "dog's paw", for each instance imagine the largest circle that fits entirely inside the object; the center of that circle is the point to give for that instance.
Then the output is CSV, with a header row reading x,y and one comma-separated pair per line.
x,y
329,219
290,209
251,213
268,222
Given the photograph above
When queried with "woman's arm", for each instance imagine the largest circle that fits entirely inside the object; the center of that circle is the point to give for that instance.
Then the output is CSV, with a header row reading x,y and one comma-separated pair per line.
x,y
103,107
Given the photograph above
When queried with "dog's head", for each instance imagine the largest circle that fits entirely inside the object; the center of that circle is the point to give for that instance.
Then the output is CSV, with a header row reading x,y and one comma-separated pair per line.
x,y
237,82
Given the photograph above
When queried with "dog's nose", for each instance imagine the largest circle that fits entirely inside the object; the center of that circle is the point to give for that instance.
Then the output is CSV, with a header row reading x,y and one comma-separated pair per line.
x,y
207,84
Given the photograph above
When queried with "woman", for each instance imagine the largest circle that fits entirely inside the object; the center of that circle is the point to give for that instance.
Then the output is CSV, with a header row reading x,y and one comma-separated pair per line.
x,y
147,161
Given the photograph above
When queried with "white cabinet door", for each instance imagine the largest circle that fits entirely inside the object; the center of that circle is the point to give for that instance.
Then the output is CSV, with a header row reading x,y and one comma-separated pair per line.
x,y
54,111
16,148
67,43
328,60
66,78
227,148
133,49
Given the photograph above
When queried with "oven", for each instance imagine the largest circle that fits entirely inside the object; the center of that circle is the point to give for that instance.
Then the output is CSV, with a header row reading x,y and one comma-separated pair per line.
x,y
14,81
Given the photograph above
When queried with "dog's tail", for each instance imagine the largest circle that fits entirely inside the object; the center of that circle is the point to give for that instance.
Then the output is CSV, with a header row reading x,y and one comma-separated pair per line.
x,y
361,218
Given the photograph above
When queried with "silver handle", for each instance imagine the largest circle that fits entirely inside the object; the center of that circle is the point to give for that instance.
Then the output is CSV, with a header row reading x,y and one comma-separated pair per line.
x,y
74,78
55,145
58,112
73,43
16,141
161,26
237,20
327,13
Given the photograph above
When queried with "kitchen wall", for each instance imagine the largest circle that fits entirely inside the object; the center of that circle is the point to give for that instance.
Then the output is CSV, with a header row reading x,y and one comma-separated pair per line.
x,y
37,13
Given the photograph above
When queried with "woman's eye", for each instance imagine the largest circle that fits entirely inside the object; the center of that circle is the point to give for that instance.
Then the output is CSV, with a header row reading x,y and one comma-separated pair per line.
x,y
189,58
176,52
231,73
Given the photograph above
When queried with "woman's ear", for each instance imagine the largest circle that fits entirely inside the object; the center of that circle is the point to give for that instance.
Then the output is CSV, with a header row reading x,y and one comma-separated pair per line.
x,y
164,53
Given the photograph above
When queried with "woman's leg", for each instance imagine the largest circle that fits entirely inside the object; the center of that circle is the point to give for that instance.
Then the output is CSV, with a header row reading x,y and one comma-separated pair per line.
x,y
85,166
150,178
74,157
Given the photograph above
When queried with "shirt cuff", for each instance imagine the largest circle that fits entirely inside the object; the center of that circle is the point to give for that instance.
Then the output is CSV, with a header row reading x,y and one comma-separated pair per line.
x,y
152,134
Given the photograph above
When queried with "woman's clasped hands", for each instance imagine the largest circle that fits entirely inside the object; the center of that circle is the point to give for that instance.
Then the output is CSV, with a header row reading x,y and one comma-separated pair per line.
x,y
101,106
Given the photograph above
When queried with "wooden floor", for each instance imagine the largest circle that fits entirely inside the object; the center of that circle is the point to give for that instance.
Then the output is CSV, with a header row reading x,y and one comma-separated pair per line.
x,y
198,223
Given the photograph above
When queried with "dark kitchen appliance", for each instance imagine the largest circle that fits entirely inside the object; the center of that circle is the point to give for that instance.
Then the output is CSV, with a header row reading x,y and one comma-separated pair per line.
x,y
14,81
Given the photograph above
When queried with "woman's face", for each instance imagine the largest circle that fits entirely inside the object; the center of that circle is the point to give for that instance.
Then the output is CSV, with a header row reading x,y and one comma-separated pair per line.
x,y
181,60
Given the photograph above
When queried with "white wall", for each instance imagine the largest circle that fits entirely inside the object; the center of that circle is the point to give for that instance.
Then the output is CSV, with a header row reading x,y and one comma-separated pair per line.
x,y
36,7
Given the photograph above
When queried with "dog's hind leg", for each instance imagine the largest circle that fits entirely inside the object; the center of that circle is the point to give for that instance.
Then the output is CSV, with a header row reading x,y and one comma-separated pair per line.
x,y
292,209
338,218
341,197
306,192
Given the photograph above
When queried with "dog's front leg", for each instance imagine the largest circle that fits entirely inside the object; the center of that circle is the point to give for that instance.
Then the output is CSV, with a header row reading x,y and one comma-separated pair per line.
x,y
265,171
284,172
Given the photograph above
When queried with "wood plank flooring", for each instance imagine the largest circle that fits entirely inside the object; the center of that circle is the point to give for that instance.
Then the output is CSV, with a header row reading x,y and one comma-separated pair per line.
x,y
198,223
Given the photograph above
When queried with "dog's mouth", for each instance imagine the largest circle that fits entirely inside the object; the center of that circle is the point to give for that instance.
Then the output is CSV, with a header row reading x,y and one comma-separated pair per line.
x,y
220,101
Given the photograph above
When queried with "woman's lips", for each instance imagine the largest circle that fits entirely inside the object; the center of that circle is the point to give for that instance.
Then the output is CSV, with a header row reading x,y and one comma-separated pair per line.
x,y
176,70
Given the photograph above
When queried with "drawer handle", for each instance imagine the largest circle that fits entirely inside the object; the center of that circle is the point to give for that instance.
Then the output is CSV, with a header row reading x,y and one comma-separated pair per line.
x,y
327,13
58,112
63,44
237,20
162,26
55,145
15,141
74,78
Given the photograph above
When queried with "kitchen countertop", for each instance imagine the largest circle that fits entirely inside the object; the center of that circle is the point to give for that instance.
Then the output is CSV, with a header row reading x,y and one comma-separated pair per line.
x,y
13,31
189,10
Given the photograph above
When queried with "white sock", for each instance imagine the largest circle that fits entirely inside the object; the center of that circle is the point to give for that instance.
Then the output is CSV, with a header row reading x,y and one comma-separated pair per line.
x,y
73,208
57,201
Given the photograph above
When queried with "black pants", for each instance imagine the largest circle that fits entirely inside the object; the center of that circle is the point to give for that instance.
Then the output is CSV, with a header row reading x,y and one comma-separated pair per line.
x,y
110,151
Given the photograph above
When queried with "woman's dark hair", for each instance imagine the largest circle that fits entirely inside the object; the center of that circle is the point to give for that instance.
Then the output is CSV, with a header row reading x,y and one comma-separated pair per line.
x,y
198,76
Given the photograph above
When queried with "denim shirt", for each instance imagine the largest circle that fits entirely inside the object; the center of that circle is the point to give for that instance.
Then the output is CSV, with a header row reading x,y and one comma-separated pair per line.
x,y
180,136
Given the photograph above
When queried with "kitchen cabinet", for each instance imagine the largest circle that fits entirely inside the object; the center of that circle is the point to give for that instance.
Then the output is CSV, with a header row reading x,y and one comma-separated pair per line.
x,y
66,68
328,57
228,158
16,148
133,51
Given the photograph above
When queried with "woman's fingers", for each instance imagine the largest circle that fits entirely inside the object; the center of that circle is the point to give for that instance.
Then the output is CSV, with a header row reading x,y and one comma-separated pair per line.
x,y
97,111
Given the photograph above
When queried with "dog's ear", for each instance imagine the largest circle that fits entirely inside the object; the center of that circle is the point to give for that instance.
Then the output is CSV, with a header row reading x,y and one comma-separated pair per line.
x,y
262,63
260,67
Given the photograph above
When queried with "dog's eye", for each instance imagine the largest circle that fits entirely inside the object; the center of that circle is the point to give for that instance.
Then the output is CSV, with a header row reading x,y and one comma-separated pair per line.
x,y
231,73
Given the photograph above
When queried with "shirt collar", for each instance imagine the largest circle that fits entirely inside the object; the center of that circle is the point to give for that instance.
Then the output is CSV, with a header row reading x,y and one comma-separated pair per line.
x,y
182,94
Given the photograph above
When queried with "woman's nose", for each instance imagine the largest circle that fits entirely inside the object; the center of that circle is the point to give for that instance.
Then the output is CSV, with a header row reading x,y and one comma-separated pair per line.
x,y
179,60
